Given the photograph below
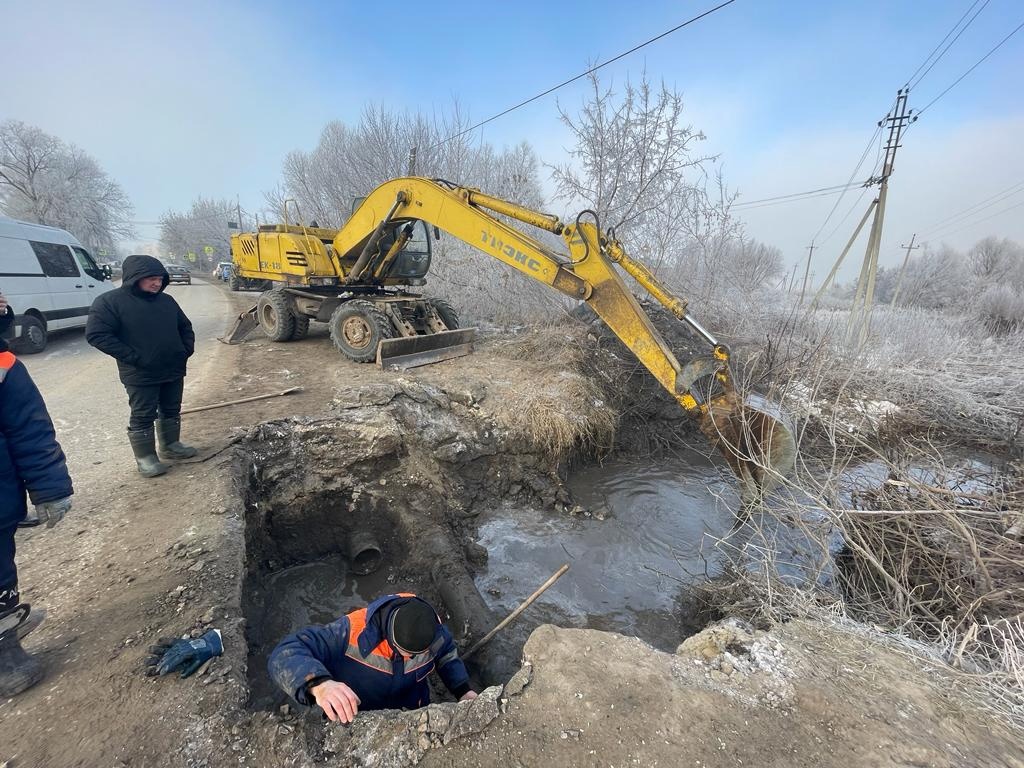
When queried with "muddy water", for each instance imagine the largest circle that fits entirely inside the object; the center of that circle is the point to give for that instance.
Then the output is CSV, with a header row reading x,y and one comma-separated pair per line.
x,y
629,572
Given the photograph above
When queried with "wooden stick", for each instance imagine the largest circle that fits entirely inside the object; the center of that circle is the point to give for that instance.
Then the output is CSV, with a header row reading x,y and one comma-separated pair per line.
x,y
512,616
240,401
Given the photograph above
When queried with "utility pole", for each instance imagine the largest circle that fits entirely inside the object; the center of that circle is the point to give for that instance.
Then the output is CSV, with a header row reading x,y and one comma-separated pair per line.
x,y
807,271
860,313
412,161
238,212
899,280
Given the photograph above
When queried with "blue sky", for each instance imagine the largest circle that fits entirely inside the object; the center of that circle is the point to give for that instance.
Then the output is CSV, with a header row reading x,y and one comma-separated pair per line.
x,y
188,98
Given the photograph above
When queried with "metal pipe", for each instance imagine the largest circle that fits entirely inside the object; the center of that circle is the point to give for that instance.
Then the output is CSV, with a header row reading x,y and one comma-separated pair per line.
x,y
364,553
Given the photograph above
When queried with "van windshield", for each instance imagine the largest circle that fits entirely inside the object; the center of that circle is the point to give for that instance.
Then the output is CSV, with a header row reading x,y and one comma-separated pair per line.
x,y
89,266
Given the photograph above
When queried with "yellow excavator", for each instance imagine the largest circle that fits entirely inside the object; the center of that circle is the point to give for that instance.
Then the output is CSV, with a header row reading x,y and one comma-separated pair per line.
x,y
361,280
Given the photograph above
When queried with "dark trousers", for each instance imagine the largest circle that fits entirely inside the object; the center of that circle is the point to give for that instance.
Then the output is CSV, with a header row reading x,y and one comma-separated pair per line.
x,y
150,401
8,573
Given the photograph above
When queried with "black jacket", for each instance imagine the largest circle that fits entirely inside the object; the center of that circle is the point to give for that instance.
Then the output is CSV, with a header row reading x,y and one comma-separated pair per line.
x,y
147,333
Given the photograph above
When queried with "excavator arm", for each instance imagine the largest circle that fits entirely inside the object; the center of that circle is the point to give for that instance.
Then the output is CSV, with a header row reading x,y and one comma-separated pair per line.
x,y
759,448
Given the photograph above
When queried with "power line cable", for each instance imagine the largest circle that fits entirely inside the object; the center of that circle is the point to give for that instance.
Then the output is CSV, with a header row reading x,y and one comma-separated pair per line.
x,y
833,189
860,162
936,61
986,218
839,191
975,209
581,75
973,67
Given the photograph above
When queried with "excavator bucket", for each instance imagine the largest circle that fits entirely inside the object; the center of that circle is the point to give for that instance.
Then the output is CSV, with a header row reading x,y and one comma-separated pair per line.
x,y
244,324
411,351
754,439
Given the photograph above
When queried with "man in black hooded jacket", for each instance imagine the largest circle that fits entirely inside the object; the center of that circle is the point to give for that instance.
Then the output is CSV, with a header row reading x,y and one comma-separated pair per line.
x,y
145,330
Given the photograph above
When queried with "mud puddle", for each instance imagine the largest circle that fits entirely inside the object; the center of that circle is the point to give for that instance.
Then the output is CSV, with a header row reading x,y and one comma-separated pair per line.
x,y
629,572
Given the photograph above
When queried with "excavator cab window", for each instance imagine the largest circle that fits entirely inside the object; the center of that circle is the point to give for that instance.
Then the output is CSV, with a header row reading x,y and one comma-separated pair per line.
x,y
413,261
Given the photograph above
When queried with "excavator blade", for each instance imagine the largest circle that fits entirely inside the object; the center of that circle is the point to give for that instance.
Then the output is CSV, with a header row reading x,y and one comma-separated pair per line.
x,y
411,351
244,324
755,441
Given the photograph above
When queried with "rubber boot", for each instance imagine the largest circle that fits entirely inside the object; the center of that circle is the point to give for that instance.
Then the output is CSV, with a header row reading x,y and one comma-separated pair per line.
x,y
18,670
168,431
144,447
35,618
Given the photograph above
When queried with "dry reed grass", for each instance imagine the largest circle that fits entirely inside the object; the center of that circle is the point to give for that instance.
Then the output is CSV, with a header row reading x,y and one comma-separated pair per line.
x,y
559,408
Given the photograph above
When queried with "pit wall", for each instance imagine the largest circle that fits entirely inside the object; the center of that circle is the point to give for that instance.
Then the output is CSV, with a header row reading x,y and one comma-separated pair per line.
x,y
405,464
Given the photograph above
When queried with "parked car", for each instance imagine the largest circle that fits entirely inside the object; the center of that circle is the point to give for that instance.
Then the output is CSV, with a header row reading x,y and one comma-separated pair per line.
x,y
49,279
179,274
224,270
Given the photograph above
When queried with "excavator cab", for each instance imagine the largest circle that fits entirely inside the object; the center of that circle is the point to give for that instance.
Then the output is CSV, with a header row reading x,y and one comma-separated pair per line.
x,y
411,264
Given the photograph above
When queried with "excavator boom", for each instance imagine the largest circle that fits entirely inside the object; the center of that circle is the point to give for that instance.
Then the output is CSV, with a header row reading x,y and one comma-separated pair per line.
x,y
759,449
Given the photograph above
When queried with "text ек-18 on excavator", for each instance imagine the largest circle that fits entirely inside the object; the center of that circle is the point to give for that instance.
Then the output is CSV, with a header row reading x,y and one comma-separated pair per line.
x,y
359,278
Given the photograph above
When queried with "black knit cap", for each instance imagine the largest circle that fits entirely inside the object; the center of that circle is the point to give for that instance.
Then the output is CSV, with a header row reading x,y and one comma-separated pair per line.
x,y
412,626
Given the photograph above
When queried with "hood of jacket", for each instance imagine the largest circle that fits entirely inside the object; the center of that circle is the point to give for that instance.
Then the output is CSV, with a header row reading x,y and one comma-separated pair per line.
x,y
137,267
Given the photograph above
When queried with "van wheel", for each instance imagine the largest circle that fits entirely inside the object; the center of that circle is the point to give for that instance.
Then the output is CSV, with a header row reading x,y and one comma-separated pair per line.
x,y
33,336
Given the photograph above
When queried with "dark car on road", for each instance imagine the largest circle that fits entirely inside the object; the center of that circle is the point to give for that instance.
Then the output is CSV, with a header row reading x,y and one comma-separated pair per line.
x,y
179,274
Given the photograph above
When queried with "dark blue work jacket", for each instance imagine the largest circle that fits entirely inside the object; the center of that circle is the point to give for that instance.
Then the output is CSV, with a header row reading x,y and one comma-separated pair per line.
x,y
355,650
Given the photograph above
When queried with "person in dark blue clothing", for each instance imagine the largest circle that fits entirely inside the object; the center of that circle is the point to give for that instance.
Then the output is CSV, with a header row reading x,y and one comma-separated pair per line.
x,y
378,657
145,330
31,461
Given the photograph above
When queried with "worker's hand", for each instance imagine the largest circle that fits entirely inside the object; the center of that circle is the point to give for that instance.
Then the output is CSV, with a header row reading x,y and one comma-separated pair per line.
x,y
170,654
52,512
468,696
339,702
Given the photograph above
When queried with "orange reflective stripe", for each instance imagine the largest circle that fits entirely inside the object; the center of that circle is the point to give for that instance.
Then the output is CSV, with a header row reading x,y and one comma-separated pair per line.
x,y
7,360
380,657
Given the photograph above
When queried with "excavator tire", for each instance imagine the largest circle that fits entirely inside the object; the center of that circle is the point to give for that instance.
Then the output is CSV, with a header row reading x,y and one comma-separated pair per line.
x,y
357,328
274,312
234,283
447,313
301,327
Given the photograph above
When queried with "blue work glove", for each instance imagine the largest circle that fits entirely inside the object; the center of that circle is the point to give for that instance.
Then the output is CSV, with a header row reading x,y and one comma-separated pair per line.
x,y
171,654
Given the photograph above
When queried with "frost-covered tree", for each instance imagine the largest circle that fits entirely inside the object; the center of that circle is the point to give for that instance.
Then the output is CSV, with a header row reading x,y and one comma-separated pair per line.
x,y
46,181
204,225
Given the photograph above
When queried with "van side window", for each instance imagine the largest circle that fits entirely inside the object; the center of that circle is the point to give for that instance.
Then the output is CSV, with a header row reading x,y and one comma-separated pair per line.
x,y
90,267
55,259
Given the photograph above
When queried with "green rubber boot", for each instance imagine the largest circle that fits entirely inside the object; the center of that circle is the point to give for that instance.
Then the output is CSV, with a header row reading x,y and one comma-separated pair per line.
x,y
168,432
144,447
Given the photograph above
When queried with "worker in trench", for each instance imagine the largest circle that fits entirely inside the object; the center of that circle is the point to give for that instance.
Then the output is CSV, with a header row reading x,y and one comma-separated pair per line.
x,y
377,657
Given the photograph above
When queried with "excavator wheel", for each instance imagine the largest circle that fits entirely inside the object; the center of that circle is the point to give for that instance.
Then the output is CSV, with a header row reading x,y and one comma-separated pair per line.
x,y
447,313
357,328
301,327
274,312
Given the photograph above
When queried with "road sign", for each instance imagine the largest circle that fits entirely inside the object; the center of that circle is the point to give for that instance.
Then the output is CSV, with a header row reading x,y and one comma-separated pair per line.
x,y
190,256
208,250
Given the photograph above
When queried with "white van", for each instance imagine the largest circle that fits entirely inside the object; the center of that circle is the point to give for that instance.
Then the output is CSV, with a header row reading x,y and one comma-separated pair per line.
x,y
49,280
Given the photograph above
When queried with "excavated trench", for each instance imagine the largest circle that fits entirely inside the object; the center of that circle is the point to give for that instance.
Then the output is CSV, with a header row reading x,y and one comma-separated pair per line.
x,y
412,488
